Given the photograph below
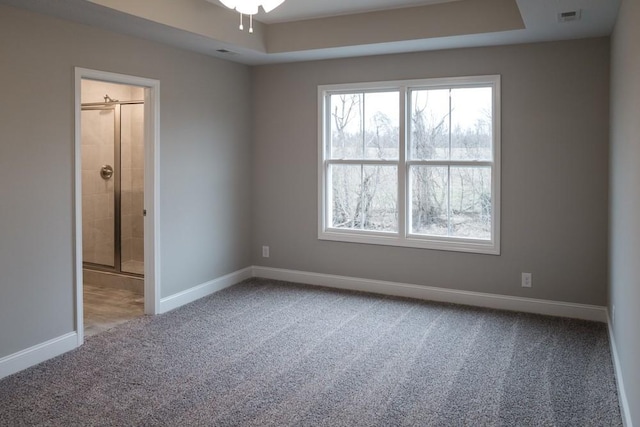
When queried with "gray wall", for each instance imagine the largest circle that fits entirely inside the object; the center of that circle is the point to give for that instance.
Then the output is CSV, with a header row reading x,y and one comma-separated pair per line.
x,y
204,156
555,99
624,292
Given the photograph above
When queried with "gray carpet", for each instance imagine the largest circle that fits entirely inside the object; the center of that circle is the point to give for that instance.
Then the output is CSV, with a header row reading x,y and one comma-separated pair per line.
x,y
272,353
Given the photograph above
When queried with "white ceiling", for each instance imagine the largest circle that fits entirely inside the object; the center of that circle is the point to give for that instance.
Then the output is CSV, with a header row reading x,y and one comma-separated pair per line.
x,y
539,16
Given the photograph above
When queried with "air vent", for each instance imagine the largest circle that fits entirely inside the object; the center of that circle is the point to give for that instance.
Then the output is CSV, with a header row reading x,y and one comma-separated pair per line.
x,y
572,15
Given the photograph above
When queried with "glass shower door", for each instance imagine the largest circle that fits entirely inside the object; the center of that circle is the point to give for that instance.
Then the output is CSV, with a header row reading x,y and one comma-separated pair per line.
x,y
132,188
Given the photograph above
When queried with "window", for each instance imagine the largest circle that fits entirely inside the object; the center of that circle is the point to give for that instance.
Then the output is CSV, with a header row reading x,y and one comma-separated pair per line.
x,y
411,163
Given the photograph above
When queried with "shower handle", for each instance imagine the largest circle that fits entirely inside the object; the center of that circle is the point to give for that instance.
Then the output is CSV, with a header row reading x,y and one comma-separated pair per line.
x,y
106,172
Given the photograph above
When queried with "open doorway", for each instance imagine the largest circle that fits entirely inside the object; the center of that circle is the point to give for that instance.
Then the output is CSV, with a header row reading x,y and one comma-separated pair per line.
x,y
112,145
115,199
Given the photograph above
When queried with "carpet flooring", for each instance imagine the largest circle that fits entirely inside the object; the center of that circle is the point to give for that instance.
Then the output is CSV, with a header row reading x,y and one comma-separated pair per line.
x,y
267,353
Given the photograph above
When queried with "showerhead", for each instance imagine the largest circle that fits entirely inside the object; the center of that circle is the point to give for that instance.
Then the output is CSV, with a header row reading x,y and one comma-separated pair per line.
x,y
107,98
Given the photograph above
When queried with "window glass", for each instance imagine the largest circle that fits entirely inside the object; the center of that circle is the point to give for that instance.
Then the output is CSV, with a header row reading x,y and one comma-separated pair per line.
x,y
438,188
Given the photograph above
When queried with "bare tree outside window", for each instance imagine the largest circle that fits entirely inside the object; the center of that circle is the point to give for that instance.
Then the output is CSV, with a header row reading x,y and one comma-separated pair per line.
x,y
449,125
363,127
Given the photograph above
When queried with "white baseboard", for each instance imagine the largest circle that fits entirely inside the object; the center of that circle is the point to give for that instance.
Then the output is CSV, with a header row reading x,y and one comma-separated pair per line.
x,y
622,395
185,297
480,299
31,356
41,352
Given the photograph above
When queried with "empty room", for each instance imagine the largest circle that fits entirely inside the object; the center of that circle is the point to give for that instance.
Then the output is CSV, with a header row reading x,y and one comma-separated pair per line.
x,y
292,212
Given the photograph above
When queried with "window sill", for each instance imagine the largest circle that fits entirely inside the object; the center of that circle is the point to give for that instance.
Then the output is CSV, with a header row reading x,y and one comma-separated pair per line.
x,y
486,247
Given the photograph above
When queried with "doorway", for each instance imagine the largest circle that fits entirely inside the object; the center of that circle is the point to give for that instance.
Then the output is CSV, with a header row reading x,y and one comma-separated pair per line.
x,y
112,145
115,199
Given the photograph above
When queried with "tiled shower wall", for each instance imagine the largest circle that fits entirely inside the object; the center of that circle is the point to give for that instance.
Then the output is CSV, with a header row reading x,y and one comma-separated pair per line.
x,y
98,194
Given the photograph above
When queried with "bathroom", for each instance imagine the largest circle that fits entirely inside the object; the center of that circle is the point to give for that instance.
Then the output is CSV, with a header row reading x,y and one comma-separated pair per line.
x,y
112,175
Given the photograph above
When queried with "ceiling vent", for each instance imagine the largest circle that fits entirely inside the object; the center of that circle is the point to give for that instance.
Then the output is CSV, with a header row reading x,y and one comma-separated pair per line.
x,y
572,15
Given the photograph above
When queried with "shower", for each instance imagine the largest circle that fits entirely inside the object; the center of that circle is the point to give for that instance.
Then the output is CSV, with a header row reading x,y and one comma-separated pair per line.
x,y
112,145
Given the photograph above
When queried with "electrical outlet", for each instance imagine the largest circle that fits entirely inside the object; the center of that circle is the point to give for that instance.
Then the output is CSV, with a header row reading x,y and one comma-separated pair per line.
x,y
265,252
526,280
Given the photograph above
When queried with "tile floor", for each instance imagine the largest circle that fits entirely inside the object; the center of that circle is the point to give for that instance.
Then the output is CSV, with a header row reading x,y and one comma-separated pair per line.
x,y
105,308
136,267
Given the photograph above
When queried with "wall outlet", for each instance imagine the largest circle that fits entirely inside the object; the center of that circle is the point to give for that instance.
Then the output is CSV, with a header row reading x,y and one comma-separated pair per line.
x,y
265,252
526,280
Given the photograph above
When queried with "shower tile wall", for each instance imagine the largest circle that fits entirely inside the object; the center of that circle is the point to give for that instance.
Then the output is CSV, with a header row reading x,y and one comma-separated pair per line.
x,y
98,212
97,194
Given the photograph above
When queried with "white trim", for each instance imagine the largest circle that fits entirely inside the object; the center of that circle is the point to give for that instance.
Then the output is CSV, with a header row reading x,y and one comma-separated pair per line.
x,y
152,188
410,241
152,198
480,299
622,395
31,356
77,208
468,81
57,346
403,236
192,294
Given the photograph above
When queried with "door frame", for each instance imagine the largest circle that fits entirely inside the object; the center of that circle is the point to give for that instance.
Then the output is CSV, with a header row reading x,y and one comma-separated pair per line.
x,y
151,189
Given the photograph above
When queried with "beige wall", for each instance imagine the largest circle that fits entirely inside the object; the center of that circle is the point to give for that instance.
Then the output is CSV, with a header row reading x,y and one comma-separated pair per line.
x,y
204,175
554,171
624,293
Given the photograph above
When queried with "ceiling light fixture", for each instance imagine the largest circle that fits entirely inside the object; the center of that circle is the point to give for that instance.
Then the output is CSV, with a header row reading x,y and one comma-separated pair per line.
x,y
250,7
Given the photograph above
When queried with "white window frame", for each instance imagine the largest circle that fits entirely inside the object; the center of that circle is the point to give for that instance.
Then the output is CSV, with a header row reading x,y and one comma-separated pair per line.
x,y
403,237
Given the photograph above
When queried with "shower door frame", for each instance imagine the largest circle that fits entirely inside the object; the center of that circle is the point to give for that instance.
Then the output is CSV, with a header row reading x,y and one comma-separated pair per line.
x,y
116,106
151,189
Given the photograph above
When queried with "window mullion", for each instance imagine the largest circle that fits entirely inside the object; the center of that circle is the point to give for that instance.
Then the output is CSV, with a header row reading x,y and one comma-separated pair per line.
x,y
363,114
362,197
364,156
373,162
462,163
403,196
449,200
362,127
327,195
449,124
449,174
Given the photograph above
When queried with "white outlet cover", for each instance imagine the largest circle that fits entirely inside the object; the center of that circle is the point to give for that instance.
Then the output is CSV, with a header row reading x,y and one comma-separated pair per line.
x,y
526,280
